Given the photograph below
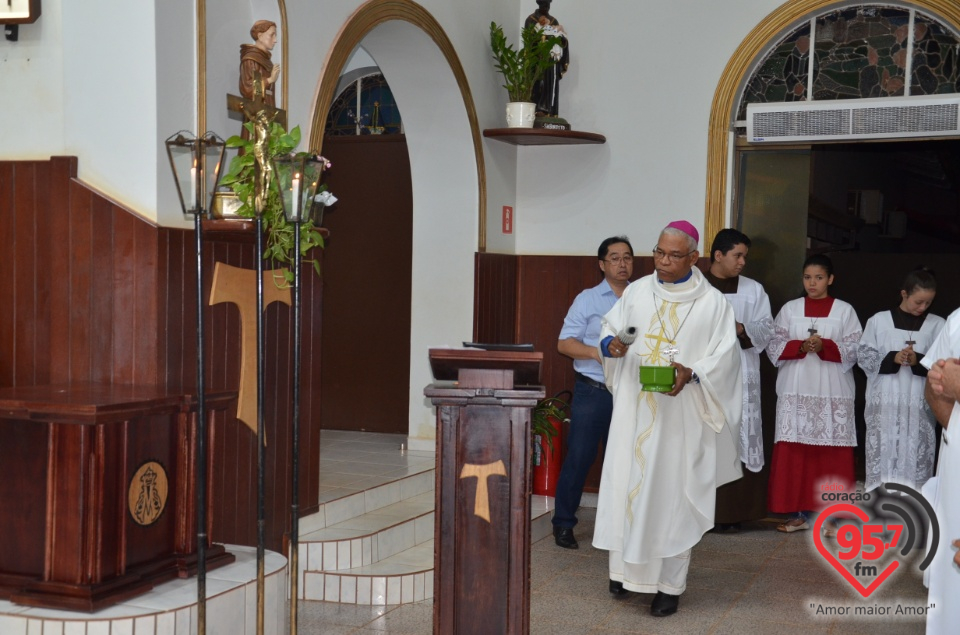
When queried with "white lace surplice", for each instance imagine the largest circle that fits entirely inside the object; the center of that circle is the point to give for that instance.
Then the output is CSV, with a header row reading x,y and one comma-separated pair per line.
x,y
814,397
751,307
900,426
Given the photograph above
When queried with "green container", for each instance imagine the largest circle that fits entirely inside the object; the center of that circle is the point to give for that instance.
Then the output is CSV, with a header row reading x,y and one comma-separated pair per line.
x,y
657,378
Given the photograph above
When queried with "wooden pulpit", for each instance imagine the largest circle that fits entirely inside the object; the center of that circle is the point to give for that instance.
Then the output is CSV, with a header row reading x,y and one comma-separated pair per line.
x,y
98,492
482,535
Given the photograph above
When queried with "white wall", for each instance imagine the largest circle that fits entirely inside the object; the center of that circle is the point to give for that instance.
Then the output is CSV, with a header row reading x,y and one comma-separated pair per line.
x,y
642,73
110,97
31,89
646,81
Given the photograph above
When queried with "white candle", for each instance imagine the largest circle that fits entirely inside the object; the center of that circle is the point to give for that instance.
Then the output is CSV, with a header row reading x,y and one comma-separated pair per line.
x,y
296,194
193,188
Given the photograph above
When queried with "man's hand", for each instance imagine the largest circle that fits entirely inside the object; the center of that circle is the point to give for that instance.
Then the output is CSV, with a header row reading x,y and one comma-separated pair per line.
x,y
956,556
944,378
938,391
617,348
682,378
274,74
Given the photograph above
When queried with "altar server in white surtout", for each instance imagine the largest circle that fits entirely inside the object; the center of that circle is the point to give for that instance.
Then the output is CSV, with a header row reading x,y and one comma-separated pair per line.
x,y
943,392
751,309
667,451
900,440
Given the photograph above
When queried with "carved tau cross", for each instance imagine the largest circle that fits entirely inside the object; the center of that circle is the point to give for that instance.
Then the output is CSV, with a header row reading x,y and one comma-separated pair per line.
x,y
910,342
481,502
812,331
236,285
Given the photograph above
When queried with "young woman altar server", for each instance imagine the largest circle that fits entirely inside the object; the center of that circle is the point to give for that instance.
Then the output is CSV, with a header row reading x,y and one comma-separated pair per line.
x,y
900,439
814,348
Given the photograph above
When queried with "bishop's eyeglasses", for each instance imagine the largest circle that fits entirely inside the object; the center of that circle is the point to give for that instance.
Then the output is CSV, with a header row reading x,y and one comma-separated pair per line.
x,y
659,254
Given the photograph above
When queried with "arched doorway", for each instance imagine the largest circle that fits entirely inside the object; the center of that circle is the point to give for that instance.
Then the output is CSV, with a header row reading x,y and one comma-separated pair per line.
x,y
447,177
828,196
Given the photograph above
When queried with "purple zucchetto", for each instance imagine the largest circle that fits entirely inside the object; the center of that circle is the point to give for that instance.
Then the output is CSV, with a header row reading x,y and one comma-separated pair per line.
x,y
686,228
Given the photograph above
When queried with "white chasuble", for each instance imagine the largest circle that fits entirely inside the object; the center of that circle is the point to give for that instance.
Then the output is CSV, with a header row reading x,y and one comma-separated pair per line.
x,y
666,455
900,438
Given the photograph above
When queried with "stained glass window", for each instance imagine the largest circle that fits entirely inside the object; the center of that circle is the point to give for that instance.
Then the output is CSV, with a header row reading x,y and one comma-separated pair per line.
x,y
782,76
935,67
377,113
858,52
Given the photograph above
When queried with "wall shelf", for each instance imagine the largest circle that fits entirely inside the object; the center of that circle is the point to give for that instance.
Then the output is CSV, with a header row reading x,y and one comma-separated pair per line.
x,y
542,136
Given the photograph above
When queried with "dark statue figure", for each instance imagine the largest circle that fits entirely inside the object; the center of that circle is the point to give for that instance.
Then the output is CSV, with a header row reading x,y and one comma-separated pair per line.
x,y
546,92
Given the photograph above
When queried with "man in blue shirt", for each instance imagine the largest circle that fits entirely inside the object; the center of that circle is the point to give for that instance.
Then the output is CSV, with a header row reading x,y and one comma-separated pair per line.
x,y
592,404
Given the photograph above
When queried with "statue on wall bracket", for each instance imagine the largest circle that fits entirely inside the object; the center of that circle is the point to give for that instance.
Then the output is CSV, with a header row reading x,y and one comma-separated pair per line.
x,y
546,92
258,73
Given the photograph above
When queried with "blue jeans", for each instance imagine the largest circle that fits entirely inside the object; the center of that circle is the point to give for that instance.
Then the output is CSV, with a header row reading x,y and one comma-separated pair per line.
x,y
589,424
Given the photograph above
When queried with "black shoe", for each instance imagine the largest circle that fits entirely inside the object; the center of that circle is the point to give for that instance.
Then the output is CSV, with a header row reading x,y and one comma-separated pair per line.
x,y
617,588
664,604
564,538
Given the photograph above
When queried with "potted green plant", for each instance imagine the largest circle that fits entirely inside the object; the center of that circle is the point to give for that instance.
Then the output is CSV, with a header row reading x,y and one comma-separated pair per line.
x,y
278,230
522,68
546,420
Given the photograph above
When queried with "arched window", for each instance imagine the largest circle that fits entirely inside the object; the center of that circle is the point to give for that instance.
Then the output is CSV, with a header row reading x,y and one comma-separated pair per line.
x,y
365,106
858,52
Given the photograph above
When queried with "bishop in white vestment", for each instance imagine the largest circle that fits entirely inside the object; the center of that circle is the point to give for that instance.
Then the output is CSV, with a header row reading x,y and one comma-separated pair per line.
x,y
667,452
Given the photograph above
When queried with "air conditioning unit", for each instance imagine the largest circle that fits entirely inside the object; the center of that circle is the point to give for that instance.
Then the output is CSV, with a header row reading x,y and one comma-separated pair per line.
x,y
851,119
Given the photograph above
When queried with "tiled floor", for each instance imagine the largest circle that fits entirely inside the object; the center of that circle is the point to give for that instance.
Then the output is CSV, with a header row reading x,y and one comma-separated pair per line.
x,y
756,581
352,462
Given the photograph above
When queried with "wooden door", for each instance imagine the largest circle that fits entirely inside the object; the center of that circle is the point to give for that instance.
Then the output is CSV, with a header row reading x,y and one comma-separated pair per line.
x,y
365,367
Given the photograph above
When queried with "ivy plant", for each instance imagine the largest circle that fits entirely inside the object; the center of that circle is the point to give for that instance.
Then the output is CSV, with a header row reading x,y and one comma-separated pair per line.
x,y
279,246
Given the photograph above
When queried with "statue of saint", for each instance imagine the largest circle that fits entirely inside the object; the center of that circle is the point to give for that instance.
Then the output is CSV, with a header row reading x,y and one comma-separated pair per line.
x,y
258,74
546,92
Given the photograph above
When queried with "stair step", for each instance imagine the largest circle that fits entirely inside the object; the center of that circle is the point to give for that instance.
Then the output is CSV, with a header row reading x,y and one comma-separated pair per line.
x,y
403,578
370,538
403,571
333,512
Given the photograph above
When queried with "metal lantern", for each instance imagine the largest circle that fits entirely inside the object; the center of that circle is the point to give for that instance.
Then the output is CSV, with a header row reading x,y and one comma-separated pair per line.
x,y
298,178
196,164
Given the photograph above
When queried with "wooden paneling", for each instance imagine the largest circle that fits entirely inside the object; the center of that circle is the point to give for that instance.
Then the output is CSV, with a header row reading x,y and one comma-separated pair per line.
x,y
495,298
523,299
93,292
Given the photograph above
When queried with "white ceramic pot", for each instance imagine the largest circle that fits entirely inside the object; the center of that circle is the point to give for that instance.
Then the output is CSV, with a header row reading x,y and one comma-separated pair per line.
x,y
520,114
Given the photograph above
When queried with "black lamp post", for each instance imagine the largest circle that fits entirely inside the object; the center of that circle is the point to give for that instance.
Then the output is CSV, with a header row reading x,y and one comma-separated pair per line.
x,y
298,178
196,164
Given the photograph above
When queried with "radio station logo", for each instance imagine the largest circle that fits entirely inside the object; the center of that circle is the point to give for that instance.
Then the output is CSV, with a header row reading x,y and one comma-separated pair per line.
x,y
875,532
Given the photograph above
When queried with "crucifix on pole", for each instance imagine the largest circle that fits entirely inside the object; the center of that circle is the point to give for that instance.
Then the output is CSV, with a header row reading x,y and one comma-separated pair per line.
x,y
262,115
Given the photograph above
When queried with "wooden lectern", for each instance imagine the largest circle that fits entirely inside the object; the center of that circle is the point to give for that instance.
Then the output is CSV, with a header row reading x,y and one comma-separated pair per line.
x,y
482,536
98,492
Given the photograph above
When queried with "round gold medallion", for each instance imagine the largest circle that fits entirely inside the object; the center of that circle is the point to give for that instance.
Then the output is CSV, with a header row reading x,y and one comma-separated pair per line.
x,y
147,494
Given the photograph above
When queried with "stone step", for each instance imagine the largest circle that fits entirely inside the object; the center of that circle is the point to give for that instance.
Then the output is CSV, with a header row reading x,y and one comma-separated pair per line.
x,y
369,538
333,512
386,556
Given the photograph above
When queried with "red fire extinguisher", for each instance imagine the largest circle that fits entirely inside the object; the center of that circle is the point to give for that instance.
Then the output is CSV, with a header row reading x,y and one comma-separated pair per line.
x,y
547,424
